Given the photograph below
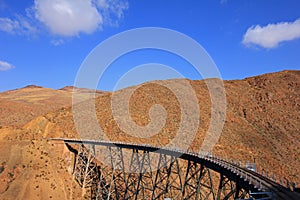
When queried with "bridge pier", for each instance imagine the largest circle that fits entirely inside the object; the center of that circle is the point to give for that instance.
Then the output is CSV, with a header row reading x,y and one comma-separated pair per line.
x,y
85,170
158,173
188,180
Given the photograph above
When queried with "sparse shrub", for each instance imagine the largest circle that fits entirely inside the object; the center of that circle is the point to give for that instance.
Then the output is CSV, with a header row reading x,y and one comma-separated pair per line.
x,y
11,174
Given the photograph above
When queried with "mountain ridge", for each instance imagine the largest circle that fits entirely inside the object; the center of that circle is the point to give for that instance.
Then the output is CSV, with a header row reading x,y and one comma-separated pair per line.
x,y
262,124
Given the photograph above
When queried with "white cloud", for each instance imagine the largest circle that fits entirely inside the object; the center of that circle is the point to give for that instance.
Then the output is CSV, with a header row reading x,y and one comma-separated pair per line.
x,y
8,25
112,10
4,66
271,35
57,42
18,26
66,17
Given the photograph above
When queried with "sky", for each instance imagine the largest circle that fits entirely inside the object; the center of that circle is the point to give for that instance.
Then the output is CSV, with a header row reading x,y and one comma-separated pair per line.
x,y
45,42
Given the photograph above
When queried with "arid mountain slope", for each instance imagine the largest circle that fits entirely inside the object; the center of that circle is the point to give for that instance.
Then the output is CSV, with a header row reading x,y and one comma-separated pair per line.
x,y
262,124
18,107
31,168
262,119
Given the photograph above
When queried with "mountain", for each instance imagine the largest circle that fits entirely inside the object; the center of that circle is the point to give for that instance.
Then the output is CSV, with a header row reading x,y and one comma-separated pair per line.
x,y
262,125
18,107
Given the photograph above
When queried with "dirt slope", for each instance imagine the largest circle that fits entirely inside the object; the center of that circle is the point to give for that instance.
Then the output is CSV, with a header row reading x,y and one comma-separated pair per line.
x,y
262,123
30,168
18,107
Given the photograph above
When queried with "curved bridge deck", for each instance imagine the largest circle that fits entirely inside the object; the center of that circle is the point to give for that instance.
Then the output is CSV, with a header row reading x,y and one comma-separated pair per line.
x,y
117,170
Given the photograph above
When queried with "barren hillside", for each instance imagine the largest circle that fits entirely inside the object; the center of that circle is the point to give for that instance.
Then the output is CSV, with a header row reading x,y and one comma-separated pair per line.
x,y
262,123
18,107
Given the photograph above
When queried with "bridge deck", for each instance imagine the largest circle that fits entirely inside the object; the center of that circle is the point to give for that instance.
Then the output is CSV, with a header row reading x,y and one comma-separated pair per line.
x,y
250,180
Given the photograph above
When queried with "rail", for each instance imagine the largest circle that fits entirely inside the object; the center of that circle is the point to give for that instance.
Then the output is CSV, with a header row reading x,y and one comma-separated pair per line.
x,y
253,179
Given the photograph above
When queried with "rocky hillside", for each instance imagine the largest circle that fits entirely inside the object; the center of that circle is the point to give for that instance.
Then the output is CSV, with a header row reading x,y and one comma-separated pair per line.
x,y
262,124
18,107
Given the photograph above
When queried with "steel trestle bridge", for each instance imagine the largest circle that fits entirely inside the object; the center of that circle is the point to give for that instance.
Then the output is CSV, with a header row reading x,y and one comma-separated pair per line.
x,y
137,171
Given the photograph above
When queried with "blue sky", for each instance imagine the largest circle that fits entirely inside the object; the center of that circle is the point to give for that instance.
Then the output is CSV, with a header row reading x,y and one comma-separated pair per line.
x,y
44,42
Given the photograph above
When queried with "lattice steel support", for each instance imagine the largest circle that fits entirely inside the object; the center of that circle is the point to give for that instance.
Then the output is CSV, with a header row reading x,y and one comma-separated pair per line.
x,y
145,180
134,178
174,181
133,175
85,171
119,177
226,189
161,177
105,184
198,182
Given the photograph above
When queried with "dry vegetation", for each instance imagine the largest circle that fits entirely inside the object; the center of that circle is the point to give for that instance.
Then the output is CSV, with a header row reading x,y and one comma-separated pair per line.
x,y
262,123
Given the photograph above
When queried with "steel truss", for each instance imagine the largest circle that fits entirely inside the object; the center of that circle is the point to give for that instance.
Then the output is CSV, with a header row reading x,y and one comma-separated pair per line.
x,y
168,178
85,168
228,189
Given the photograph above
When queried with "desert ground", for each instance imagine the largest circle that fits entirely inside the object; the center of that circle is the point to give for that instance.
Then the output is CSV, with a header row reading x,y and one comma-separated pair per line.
x,y
262,124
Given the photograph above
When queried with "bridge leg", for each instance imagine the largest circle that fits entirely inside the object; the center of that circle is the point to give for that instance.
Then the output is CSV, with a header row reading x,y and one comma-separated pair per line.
x,y
160,182
105,185
90,172
174,181
78,166
145,181
133,175
191,183
94,184
119,175
206,189
226,188
198,182
241,193
85,169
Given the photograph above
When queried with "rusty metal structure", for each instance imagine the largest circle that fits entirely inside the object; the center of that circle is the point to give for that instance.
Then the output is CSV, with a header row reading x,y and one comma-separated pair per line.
x,y
134,171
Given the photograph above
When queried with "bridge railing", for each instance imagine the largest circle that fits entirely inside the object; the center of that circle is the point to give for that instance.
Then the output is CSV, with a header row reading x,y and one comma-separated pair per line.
x,y
234,167
239,168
